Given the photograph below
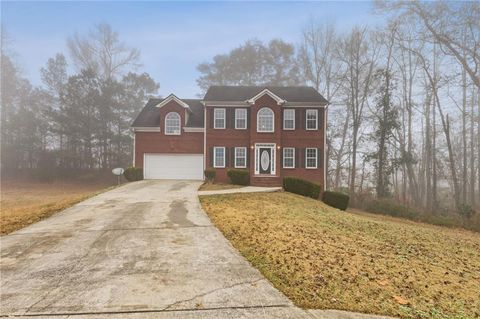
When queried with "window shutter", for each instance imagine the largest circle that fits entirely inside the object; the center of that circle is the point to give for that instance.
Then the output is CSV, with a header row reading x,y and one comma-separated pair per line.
x,y
211,117
226,158
281,157
321,115
227,117
247,157
319,157
298,158
303,113
210,155
298,119
232,152
232,118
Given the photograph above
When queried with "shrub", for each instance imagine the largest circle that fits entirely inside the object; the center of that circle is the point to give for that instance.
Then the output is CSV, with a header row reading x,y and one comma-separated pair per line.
x,y
301,187
133,174
210,174
239,176
466,211
388,207
336,199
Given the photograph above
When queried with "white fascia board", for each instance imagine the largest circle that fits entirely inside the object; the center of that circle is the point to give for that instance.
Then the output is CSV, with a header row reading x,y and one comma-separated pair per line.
x,y
279,100
225,103
174,98
146,129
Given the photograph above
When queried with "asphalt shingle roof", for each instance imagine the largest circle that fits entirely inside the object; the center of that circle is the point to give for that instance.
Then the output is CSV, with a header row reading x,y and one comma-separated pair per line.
x,y
243,93
150,114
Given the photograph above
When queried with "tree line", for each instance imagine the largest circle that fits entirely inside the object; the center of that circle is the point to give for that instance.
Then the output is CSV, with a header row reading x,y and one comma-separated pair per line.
x,y
73,123
404,99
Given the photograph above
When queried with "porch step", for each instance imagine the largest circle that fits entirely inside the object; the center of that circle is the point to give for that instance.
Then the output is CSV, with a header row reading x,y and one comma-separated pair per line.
x,y
268,181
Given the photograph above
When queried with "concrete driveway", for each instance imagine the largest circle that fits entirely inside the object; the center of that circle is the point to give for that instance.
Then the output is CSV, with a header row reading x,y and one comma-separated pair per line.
x,y
143,250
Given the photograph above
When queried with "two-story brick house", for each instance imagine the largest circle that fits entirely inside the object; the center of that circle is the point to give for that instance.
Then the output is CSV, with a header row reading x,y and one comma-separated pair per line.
x,y
270,131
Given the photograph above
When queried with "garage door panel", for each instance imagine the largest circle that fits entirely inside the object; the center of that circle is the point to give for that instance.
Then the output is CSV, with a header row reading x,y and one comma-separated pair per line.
x,y
173,166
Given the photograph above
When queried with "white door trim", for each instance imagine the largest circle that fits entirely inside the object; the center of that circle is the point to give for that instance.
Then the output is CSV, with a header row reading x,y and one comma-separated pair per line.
x,y
273,166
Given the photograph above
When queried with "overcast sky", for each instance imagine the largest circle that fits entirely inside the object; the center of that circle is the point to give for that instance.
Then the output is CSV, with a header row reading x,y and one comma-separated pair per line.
x,y
174,37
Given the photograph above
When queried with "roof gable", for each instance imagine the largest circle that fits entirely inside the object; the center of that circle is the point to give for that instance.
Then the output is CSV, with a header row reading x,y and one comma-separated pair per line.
x,y
277,99
170,98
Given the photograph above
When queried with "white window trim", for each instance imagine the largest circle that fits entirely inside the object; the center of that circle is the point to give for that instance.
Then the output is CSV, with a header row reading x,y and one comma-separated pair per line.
x,y
179,124
306,157
294,124
273,120
236,117
283,155
316,120
215,157
215,118
245,157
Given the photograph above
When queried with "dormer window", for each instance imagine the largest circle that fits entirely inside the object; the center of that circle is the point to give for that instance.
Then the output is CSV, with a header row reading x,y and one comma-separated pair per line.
x,y
172,124
265,120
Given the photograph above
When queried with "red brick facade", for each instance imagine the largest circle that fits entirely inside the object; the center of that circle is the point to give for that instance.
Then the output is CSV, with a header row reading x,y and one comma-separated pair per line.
x,y
193,142
300,138
158,142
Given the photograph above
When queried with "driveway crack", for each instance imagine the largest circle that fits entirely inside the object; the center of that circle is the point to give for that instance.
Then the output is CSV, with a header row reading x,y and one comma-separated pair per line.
x,y
169,307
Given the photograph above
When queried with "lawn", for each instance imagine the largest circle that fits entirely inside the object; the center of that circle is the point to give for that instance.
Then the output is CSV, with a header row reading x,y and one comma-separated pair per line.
x,y
24,203
324,258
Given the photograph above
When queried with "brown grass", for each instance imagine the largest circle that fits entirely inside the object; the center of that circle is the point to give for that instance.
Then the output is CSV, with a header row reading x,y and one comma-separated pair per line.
x,y
217,186
24,203
324,258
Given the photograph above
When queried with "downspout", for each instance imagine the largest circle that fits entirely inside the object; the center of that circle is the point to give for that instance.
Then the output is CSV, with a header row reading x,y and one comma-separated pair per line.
x,y
325,147
204,139
134,151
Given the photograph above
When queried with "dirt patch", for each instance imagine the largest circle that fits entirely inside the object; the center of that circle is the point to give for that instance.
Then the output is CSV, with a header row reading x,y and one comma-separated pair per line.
x,y
178,214
324,258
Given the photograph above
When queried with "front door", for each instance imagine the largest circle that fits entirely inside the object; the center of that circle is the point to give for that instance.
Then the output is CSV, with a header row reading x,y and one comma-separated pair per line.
x,y
265,160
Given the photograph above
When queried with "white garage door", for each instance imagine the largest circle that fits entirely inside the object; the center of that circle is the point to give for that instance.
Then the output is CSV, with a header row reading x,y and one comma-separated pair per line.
x,y
173,166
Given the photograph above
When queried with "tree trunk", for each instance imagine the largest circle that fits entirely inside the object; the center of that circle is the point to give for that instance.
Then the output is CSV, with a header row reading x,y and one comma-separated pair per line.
x,y
472,150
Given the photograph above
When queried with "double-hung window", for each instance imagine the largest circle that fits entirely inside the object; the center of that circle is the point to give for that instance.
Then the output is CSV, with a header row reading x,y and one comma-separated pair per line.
x,y
289,119
219,118
288,157
240,119
312,119
311,158
240,157
219,157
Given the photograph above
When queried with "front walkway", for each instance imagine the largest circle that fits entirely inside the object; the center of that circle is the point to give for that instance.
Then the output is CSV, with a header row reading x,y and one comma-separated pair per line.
x,y
246,189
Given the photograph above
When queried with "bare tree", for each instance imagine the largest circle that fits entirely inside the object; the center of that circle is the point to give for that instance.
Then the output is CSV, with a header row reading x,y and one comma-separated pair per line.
x,y
358,55
101,50
445,23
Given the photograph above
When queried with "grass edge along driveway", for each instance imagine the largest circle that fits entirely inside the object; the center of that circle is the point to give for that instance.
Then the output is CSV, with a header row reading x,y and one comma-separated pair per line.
x,y
25,203
324,258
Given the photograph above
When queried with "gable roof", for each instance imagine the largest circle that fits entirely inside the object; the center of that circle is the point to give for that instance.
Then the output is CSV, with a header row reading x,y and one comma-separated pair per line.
x,y
291,94
277,99
150,114
174,98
